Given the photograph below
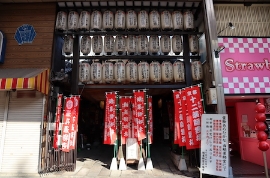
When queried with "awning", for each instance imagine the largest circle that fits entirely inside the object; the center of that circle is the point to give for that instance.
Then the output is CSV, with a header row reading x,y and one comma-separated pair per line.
x,y
25,79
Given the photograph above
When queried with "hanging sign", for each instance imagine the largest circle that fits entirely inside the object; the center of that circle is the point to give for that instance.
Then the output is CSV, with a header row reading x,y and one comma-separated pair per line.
x,y
74,121
150,119
139,109
57,120
110,119
214,145
25,34
125,118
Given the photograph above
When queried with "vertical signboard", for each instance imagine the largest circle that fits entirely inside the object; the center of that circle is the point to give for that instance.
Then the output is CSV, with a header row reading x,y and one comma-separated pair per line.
x,y
214,145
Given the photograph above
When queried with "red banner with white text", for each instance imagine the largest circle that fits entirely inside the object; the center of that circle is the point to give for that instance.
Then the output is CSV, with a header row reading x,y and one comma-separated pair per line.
x,y
150,119
66,125
125,103
139,120
74,121
57,120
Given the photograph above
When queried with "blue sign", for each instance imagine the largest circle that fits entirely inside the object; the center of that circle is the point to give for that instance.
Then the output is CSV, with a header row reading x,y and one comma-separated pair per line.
x,y
25,34
3,42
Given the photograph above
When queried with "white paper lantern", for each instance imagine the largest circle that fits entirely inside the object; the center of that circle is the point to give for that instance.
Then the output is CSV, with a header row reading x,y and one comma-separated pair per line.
x,y
177,45
154,46
107,72
155,72
84,72
119,71
96,72
120,44
196,70
166,20
120,20
73,20
178,21
165,43
85,44
61,21
178,71
193,44
68,45
108,44
154,19
188,20
131,20
143,72
131,44
96,20
166,71
143,20
131,72
143,45
84,21
108,18
97,44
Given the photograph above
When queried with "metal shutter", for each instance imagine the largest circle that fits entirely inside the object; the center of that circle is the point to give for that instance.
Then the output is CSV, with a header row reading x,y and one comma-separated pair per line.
x,y
21,146
2,111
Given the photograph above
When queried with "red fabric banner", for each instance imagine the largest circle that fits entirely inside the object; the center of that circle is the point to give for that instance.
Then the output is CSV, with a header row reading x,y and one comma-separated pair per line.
x,y
66,124
182,118
176,98
57,120
110,134
125,118
74,121
194,112
150,117
139,108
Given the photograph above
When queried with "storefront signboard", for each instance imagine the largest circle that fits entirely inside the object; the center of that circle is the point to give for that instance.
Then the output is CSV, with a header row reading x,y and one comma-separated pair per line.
x,y
214,145
245,64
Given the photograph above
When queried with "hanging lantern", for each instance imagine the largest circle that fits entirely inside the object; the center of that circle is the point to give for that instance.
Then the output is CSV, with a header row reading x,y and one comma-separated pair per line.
x,y
85,44
178,71
165,43
119,71
177,20
188,20
108,44
143,72
143,45
84,21
131,20
96,20
97,44
73,21
61,21
166,20
196,70
143,21
166,71
68,45
131,72
193,44
131,44
107,72
120,44
177,45
108,18
120,20
154,19
96,71
154,45
84,72
155,72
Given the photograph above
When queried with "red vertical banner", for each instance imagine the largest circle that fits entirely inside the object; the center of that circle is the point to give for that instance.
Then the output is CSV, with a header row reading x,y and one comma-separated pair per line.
x,y
150,119
182,118
125,118
176,98
139,109
110,119
193,118
57,120
74,122
66,124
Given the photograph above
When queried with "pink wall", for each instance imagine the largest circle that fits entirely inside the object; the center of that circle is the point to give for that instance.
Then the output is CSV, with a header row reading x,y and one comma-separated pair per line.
x,y
249,146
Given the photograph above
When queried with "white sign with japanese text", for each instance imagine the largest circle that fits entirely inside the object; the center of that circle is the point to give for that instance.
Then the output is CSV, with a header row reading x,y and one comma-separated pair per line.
x,y
214,145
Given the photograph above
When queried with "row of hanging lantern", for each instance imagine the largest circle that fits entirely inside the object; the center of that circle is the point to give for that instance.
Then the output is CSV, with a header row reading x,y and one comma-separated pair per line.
x,y
121,20
120,72
131,45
